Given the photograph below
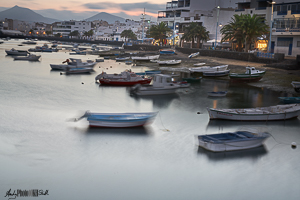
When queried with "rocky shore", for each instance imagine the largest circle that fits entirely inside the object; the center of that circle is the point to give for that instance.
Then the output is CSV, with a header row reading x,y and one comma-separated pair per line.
x,y
278,76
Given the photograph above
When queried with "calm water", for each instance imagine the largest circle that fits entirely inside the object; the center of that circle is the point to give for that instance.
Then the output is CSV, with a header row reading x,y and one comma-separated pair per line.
x,y
41,149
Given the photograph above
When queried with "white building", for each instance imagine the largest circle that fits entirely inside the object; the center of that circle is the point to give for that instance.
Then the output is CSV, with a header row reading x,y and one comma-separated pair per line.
x,y
66,27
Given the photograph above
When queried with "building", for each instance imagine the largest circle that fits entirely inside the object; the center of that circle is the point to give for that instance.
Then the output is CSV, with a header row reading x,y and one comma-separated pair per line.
x,y
66,27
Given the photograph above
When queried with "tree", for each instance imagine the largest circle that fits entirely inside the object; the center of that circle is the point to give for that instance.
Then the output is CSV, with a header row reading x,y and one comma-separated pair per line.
x,y
201,35
158,32
244,29
74,33
128,34
57,35
195,32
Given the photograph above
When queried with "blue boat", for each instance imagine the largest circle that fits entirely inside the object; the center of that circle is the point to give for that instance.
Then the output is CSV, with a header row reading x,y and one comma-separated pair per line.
x,y
150,72
194,55
289,99
118,120
167,51
231,141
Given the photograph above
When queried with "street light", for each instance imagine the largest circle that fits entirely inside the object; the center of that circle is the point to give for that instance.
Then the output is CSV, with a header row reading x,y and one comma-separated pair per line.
x,y
271,22
174,29
143,14
218,10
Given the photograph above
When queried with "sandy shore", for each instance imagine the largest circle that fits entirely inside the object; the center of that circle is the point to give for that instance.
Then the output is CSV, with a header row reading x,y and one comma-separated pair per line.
x,y
276,78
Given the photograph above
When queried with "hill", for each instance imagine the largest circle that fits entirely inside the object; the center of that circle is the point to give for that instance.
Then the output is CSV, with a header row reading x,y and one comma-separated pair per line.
x,y
106,17
24,14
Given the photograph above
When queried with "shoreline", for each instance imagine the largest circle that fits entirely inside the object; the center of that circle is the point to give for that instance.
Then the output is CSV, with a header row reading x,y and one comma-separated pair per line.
x,y
276,78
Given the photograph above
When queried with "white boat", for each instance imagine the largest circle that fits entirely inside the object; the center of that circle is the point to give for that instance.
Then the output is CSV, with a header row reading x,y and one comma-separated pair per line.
x,y
278,112
217,94
209,69
29,42
30,57
122,59
145,58
161,84
169,62
250,75
199,64
194,55
119,120
217,73
296,85
14,52
72,63
79,70
231,141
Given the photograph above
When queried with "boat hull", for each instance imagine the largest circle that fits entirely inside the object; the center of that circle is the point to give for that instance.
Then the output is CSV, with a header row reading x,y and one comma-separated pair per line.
x,y
264,116
143,91
230,145
120,120
216,73
246,77
123,82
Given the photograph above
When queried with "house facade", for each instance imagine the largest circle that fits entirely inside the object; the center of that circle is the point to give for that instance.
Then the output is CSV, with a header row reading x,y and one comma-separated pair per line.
x,y
66,27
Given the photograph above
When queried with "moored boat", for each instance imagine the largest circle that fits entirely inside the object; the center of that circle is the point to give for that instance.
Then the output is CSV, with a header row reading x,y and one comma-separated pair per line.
x,y
145,58
15,52
216,73
217,94
278,112
125,78
30,57
122,58
72,63
161,84
296,85
169,62
289,99
250,75
231,141
194,55
209,69
167,51
119,120
79,70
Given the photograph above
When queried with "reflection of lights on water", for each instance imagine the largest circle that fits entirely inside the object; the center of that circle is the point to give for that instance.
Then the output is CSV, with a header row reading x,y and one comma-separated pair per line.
x,y
215,103
257,100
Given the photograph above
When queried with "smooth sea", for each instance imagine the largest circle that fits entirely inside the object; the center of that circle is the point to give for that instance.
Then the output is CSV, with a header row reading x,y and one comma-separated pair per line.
x,y
42,150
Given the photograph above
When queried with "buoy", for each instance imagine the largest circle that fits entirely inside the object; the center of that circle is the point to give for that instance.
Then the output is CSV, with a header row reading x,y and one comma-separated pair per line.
x,y
110,66
294,145
60,73
198,113
82,82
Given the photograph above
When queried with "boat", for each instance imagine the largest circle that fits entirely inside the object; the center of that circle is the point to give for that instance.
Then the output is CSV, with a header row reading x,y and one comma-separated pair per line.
x,y
289,99
169,62
199,64
30,57
216,73
99,60
126,78
278,112
167,51
194,55
192,79
79,70
128,62
78,52
119,120
296,85
14,52
145,58
208,68
148,72
231,141
29,42
217,94
72,63
161,84
182,84
122,59
250,75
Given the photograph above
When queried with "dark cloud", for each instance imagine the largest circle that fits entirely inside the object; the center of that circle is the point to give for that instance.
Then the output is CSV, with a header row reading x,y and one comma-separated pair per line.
x,y
152,8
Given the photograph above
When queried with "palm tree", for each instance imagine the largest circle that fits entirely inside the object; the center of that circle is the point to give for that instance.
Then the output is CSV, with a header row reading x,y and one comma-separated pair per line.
x,y
128,34
74,33
244,29
201,35
195,32
158,32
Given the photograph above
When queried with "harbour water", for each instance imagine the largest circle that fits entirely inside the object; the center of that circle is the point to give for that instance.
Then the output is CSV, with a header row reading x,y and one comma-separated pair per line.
x,y
40,148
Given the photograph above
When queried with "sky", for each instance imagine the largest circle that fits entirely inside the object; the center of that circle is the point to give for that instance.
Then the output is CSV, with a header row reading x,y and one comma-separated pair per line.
x,y
117,7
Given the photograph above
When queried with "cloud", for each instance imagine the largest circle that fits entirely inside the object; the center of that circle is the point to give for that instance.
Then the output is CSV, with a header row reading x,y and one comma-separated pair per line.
x,y
152,8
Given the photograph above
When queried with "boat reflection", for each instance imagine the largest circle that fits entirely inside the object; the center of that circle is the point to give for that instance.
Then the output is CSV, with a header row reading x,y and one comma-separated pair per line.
x,y
254,153
136,131
159,101
228,124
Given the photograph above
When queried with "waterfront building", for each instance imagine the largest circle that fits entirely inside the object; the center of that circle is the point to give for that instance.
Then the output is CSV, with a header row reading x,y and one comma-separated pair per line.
x,y
66,27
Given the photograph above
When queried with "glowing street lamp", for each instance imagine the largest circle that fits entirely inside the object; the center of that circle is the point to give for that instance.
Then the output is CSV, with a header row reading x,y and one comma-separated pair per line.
x,y
218,10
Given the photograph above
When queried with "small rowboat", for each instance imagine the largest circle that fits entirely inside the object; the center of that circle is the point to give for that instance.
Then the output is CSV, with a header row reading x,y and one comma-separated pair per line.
x,y
231,141
289,99
217,94
194,55
118,120
167,51
216,73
